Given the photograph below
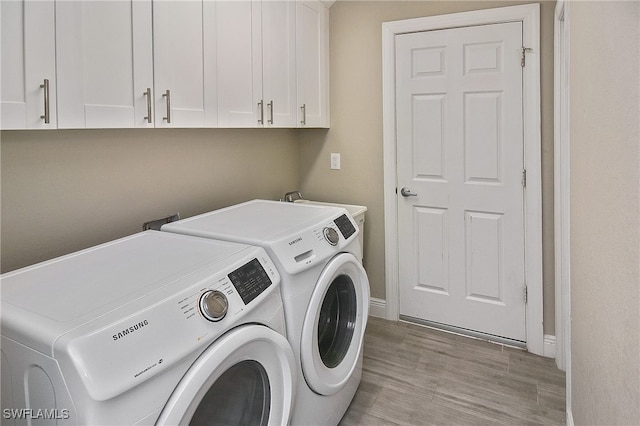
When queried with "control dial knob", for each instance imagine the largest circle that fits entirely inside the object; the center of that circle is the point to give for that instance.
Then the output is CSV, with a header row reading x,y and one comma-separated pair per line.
x,y
213,305
331,235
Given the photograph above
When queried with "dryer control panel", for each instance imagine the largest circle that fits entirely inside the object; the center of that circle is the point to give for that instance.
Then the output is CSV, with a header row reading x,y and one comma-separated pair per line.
x,y
345,226
308,247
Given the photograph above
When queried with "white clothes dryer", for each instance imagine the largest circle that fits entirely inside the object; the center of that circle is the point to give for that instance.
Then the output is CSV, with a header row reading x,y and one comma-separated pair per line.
x,y
324,287
155,328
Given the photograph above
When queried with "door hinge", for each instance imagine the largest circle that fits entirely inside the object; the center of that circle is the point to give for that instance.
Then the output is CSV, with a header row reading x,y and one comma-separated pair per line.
x,y
523,50
524,178
525,295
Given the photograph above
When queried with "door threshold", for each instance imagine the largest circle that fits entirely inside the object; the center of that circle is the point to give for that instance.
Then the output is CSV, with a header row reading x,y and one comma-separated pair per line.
x,y
465,332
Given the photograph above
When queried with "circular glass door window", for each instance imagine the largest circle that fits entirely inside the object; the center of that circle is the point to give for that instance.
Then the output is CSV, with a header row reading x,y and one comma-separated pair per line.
x,y
240,396
337,321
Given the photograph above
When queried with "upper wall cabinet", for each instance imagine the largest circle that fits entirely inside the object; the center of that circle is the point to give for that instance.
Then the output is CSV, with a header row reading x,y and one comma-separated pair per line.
x,y
28,95
312,56
104,63
121,66
184,48
256,63
160,63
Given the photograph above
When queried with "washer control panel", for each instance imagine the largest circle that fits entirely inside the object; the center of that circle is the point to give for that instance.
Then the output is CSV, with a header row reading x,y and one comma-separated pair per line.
x,y
213,305
229,292
250,280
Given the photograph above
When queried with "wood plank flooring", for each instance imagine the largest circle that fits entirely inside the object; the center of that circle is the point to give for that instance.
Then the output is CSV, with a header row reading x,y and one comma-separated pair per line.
x,y
413,375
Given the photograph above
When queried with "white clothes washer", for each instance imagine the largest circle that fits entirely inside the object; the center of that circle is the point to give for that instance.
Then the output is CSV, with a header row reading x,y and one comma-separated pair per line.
x,y
155,328
324,287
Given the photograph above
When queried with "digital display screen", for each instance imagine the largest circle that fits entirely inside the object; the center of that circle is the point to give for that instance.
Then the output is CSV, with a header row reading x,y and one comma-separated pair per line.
x,y
345,226
250,280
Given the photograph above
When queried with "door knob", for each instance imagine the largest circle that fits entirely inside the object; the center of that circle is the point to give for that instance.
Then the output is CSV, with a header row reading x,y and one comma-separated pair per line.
x,y
406,192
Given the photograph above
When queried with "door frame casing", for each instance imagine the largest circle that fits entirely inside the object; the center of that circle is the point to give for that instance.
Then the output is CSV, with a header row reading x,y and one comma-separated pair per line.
x,y
562,187
529,15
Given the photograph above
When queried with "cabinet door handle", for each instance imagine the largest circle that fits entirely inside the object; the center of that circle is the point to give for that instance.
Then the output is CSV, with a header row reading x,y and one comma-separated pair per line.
x,y
304,114
270,105
46,116
147,93
261,119
167,95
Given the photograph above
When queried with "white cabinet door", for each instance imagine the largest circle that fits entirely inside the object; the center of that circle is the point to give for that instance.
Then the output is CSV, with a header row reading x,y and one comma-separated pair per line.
x,y
279,63
256,63
104,63
185,81
239,58
28,59
312,56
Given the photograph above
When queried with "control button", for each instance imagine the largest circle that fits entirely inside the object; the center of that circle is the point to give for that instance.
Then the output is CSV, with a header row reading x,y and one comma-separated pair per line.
x,y
331,235
214,305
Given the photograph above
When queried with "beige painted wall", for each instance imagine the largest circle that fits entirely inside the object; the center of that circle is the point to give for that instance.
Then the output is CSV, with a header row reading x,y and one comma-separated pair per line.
x,y
356,123
63,190
605,212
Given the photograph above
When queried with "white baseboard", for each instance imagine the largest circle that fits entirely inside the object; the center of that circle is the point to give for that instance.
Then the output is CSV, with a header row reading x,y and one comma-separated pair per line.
x,y
378,308
549,348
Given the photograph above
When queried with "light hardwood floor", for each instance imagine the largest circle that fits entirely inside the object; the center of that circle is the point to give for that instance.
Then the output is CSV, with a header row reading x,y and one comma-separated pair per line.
x,y
413,375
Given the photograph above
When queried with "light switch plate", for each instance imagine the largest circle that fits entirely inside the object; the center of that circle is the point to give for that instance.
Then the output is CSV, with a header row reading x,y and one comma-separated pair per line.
x,y
335,161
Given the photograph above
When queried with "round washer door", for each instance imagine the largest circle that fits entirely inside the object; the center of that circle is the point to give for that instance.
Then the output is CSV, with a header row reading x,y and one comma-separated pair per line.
x,y
245,377
334,325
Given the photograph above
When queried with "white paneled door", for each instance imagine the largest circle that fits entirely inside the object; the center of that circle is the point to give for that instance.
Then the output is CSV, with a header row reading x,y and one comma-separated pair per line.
x,y
460,178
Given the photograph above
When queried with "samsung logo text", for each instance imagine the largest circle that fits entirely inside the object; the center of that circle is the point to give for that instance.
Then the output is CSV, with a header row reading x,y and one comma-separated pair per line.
x,y
297,240
130,330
